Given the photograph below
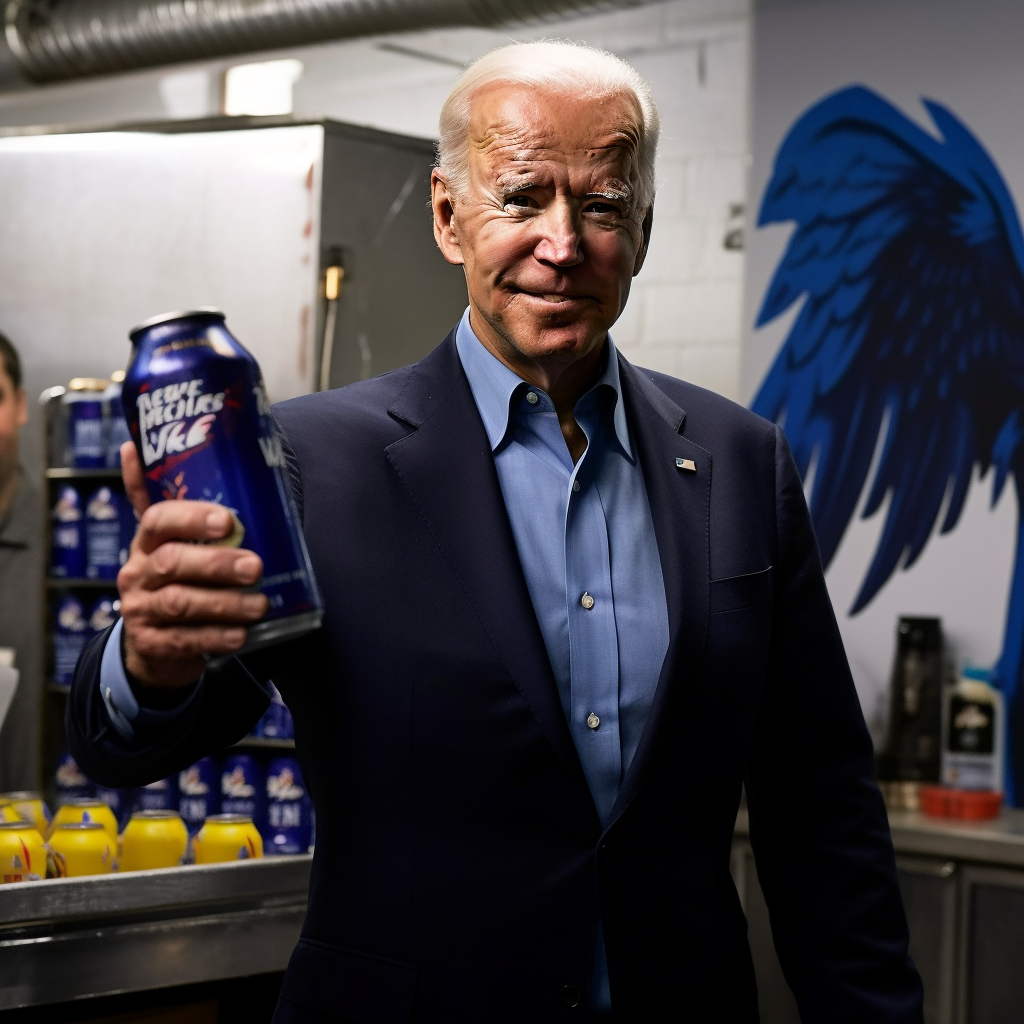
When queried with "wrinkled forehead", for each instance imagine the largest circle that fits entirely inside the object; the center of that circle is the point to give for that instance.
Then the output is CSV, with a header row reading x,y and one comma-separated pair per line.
x,y
514,128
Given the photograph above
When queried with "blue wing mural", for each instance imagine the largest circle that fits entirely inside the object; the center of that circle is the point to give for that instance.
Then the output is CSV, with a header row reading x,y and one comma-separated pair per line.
x,y
908,255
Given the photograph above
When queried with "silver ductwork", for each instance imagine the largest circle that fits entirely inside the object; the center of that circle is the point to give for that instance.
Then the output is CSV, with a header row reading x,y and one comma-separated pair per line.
x,y
54,40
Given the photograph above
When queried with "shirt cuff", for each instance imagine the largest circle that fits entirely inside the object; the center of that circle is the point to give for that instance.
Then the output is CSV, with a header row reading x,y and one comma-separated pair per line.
x,y
121,703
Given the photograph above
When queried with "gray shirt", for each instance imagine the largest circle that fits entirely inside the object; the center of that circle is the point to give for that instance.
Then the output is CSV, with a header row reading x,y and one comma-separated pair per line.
x,y
22,533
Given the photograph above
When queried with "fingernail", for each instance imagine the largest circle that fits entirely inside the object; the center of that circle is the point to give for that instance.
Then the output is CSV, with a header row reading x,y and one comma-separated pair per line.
x,y
217,522
252,603
247,567
235,637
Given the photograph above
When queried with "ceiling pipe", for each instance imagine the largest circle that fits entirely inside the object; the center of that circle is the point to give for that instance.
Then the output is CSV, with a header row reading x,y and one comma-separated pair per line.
x,y
58,40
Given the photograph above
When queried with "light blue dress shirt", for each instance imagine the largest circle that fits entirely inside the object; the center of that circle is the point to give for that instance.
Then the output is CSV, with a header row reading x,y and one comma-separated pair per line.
x,y
585,539
586,542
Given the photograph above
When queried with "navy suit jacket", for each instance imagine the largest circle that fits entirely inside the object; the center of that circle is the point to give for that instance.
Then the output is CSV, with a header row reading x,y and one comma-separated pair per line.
x,y
460,867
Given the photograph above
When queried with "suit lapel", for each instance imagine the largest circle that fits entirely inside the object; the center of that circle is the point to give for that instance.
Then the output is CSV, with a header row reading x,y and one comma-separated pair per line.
x,y
680,505
447,467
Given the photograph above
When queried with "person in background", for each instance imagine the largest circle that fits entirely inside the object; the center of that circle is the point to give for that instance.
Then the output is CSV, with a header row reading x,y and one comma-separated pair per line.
x,y
21,582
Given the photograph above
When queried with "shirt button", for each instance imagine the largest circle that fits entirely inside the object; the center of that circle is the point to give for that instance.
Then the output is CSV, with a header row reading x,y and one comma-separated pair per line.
x,y
531,397
575,485
587,601
593,721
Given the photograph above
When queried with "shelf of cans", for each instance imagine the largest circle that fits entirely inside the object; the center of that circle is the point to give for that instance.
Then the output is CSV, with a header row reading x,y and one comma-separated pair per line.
x,y
265,785
92,523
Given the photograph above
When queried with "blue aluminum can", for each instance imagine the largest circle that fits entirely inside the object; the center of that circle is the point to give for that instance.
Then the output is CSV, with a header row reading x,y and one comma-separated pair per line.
x,y
157,796
103,614
200,420
120,801
276,723
243,788
87,445
199,793
289,821
70,636
107,539
69,781
117,427
68,556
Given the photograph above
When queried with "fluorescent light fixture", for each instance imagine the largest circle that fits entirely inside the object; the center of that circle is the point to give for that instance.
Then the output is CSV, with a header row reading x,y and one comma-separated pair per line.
x,y
186,94
264,88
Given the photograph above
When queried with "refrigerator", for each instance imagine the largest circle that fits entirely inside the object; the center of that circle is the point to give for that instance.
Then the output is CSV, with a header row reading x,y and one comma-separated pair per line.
x,y
313,236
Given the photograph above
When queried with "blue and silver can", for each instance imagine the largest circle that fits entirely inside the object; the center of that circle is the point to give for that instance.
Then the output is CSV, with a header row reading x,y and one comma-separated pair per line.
x,y
117,425
199,793
70,636
201,423
103,614
289,822
120,801
157,796
87,443
243,787
106,533
276,723
69,781
68,556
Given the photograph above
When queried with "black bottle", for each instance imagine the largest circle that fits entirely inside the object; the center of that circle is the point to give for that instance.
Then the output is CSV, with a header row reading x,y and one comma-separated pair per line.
x,y
913,740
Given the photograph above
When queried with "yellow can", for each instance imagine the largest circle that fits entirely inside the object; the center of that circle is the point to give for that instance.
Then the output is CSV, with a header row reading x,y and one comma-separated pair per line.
x,y
31,807
82,848
22,852
8,812
86,810
225,837
153,839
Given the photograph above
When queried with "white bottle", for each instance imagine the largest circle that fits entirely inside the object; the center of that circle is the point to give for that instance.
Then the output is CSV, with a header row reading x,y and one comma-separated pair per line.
x,y
972,749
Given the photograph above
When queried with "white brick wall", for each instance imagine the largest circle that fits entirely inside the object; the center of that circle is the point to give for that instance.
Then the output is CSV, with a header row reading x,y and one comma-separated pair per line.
x,y
683,315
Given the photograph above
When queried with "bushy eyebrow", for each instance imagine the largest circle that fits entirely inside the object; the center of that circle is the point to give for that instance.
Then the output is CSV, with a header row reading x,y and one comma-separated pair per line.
x,y
511,182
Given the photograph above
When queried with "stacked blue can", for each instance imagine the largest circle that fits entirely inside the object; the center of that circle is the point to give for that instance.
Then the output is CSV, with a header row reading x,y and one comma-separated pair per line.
x,y
96,426
91,534
289,809
276,723
199,793
76,621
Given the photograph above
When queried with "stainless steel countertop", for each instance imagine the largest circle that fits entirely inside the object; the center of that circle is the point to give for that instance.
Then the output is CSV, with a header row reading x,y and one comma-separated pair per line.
x,y
71,938
184,890
997,842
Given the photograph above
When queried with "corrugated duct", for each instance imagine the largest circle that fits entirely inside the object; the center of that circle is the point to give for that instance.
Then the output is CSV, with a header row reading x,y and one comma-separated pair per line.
x,y
54,40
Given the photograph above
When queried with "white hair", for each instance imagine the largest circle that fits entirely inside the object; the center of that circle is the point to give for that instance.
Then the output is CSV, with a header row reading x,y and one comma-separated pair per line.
x,y
559,66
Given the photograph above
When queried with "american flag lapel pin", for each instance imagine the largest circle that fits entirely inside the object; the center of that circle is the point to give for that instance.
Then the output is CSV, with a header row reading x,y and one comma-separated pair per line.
x,y
686,465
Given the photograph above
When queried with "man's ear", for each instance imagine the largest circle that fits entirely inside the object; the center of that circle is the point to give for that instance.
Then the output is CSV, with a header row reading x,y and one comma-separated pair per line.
x,y
645,232
444,219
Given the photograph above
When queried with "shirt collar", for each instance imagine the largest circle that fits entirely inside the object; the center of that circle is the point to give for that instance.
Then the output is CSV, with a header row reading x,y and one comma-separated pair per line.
x,y
493,385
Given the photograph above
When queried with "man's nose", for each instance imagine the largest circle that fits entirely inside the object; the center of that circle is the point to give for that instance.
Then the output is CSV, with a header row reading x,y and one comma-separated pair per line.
x,y
560,241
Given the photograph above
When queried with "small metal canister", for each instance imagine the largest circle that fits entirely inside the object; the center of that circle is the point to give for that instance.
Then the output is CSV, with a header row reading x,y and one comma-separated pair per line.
x,y
22,852
153,839
226,837
86,810
82,848
30,806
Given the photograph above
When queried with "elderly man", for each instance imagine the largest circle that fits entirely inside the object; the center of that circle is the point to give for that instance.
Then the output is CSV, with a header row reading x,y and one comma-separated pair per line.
x,y
570,608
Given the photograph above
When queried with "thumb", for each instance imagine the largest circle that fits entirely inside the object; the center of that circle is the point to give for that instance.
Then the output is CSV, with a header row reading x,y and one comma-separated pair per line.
x,y
134,482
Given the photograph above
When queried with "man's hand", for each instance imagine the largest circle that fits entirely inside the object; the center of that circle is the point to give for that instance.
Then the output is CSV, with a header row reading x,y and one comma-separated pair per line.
x,y
181,600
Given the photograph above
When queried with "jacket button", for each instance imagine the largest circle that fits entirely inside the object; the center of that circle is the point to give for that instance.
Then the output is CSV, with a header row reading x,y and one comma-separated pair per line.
x,y
571,996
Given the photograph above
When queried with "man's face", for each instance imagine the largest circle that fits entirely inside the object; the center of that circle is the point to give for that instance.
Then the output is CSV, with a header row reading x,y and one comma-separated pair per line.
x,y
13,416
548,229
